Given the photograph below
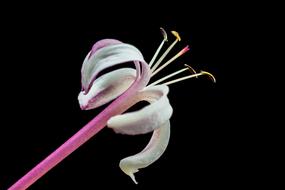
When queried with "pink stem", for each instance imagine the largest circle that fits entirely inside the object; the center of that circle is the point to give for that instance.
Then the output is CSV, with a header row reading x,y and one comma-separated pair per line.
x,y
118,106
83,135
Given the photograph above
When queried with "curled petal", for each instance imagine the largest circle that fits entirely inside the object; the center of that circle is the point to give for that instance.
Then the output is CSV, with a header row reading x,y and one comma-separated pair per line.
x,y
98,45
148,118
107,87
150,154
103,43
106,57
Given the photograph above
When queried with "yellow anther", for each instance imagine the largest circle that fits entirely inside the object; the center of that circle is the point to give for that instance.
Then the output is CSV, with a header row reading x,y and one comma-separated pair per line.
x,y
210,75
176,35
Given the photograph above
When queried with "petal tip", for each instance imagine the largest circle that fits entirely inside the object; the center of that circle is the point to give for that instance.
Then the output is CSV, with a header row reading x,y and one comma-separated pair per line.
x,y
133,178
102,43
82,101
129,171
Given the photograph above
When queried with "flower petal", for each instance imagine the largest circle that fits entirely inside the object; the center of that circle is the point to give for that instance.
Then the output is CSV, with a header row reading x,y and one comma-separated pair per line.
x,y
98,45
106,88
106,57
150,154
103,43
148,118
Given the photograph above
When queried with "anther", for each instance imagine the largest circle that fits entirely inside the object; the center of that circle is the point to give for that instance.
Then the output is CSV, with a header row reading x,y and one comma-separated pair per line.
x,y
167,51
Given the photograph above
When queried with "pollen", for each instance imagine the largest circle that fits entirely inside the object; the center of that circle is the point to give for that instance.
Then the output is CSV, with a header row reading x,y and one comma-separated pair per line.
x,y
176,35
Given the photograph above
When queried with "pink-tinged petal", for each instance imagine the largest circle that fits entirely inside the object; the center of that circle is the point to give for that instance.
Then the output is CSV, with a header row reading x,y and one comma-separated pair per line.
x,y
127,99
107,87
148,118
150,154
98,45
118,106
103,43
106,57
154,117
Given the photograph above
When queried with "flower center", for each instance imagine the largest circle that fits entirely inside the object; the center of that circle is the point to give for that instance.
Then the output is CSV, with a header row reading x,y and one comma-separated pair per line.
x,y
157,67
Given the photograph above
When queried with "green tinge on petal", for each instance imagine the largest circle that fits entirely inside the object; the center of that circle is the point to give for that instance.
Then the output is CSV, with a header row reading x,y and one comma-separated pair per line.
x,y
150,154
154,117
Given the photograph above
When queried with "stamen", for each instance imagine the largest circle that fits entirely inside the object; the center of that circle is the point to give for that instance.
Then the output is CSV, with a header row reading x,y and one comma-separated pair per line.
x,y
210,75
167,51
168,76
190,69
191,76
184,50
164,34
173,74
176,35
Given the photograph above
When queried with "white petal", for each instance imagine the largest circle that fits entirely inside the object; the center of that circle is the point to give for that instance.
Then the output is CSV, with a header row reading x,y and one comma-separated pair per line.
x,y
107,87
106,57
98,45
150,154
148,118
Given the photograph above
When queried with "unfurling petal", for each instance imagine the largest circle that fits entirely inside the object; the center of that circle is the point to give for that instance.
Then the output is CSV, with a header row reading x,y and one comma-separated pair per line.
x,y
106,88
103,43
148,118
106,57
98,45
150,154
154,117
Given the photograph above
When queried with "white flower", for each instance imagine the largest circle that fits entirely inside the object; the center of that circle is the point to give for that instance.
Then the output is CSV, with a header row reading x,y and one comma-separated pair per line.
x,y
127,86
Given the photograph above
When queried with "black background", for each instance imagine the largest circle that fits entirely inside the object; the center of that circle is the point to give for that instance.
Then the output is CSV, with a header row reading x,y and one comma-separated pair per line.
x,y
44,50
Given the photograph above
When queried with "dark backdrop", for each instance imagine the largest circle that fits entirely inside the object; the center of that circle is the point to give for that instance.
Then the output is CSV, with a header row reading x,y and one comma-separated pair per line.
x,y
44,49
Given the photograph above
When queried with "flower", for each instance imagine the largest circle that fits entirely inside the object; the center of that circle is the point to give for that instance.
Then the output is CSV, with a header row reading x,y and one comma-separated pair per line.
x,y
127,86
124,87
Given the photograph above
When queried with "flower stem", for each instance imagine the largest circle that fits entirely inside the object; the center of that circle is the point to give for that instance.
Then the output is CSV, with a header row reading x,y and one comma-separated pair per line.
x,y
89,130
83,135
118,106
